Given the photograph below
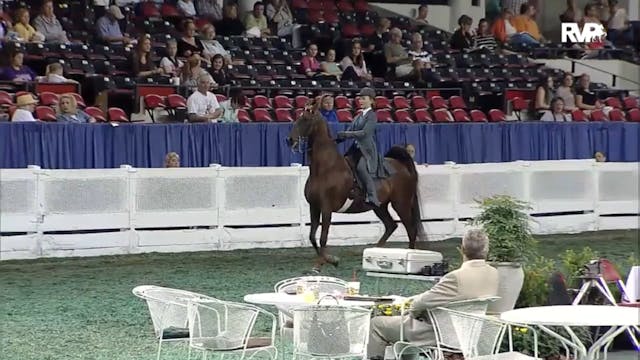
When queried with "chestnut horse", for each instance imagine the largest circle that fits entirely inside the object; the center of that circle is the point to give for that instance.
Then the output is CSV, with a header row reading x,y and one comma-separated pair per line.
x,y
331,180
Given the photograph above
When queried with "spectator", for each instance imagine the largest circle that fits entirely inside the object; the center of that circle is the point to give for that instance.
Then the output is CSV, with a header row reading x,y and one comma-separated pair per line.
x,y
211,46
219,75
544,93
49,26
381,36
172,160
192,71
187,7
396,55
17,71
421,19
504,32
327,110
412,151
353,66
619,30
585,98
309,64
572,14
255,23
557,111
329,66
109,28
230,25
526,22
591,17
599,156
514,5
170,63
210,9
68,111
142,64
462,38
188,44
279,13
230,107
202,105
55,74
566,93
417,52
25,31
25,106
5,29
484,39
474,279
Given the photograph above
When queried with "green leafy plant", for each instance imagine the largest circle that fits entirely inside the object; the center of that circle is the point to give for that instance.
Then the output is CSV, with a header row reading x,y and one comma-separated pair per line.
x,y
506,223
535,289
573,263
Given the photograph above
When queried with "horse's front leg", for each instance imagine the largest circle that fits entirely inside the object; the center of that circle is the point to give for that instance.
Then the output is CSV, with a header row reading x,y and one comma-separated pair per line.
x,y
314,213
324,234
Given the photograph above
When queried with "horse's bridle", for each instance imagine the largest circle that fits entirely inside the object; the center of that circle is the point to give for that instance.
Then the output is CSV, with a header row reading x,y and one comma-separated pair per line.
x,y
299,145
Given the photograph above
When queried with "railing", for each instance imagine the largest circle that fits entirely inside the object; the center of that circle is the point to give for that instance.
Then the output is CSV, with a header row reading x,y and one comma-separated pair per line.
x,y
128,210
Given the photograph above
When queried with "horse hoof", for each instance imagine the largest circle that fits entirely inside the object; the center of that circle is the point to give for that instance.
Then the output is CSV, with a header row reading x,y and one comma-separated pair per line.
x,y
333,260
313,271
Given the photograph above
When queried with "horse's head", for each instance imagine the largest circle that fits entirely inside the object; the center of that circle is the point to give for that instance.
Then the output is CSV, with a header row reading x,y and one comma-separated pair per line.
x,y
306,125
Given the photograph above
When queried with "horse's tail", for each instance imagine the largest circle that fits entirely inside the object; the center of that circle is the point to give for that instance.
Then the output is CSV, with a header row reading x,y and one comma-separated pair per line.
x,y
400,154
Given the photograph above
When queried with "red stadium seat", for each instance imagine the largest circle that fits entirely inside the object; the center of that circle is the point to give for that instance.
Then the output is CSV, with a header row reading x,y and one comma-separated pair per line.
x,y
282,102
578,115
168,10
401,102
457,102
262,115
301,101
367,30
315,5
381,102
403,116
496,115
95,113
459,115
361,6
441,116
243,116
176,101
437,102
331,17
633,115
350,30
616,115
614,102
261,102
45,113
384,115
79,100
299,4
630,102
5,98
283,115
297,114
117,114
150,9
48,98
344,115
519,105
315,16
419,102
345,6
422,115
221,98
152,102
598,115
342,102
478,116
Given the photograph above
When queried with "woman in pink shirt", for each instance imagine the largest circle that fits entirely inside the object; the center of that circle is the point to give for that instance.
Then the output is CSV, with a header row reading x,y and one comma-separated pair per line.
x,y
310,66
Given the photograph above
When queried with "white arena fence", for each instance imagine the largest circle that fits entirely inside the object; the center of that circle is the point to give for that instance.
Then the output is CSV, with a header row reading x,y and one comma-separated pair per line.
x,y
89,212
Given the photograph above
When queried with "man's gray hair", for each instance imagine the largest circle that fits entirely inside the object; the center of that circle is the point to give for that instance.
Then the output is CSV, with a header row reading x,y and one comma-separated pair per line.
x,y
475,244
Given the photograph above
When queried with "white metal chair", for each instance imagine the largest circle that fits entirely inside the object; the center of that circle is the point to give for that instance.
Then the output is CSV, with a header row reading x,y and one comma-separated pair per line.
x,y
446,339
480,337
222,327
168,310
330,332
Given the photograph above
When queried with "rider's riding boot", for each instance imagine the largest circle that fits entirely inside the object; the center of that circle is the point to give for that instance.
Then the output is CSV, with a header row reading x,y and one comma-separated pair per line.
x,y
369,185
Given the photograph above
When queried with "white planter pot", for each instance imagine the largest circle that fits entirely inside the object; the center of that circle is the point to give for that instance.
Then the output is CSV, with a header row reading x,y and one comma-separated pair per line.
x,y
511,278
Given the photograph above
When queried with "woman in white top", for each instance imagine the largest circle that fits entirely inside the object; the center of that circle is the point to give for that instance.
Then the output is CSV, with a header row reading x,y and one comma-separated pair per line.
x,y
566,93
170,63
618,25
25,106
278,12
557,112
187,7
353,66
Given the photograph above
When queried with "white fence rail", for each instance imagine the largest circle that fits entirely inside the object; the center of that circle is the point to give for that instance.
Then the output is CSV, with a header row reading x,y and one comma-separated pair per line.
x,y
118,211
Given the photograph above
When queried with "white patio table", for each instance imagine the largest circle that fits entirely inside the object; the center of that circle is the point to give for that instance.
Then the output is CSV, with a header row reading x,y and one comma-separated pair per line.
x,y
568,316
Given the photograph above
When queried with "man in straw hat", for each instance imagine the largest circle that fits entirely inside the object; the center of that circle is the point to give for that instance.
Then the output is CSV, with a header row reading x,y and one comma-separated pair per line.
x,y
25,106
363,130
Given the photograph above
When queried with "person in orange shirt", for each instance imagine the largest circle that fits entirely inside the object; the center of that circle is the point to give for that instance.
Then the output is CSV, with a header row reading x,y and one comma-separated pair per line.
x,y
504,31
526,23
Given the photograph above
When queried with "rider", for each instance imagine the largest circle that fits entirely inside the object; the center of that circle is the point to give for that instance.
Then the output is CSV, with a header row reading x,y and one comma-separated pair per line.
x,y
363,129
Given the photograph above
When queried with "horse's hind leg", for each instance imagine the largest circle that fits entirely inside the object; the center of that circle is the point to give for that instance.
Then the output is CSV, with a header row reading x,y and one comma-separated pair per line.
x,y
404,212
389,224
314,214
324,235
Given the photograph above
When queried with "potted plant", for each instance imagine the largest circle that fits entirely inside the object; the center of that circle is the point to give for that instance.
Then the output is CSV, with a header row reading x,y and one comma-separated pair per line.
x,y
506,222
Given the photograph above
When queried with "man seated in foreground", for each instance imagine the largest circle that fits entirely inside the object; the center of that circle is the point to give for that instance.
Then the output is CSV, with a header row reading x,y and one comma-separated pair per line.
x,y
474,279
202,105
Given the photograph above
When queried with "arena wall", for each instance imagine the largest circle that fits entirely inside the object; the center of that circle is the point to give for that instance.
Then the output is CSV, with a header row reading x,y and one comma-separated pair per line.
x,y
91,212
